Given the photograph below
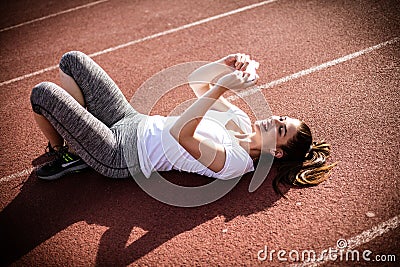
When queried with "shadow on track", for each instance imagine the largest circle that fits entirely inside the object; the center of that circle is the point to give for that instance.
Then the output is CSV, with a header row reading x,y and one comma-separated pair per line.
x,y
42,209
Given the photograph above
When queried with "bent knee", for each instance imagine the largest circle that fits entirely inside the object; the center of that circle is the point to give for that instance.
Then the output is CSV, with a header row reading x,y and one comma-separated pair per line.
x,y
41,89
40,93
69,60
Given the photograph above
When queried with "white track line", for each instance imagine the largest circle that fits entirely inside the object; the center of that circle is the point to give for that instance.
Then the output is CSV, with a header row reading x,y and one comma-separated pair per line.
x,y
52,15
265,86
302,73
202,21
17,175
20,78
111,49
358,240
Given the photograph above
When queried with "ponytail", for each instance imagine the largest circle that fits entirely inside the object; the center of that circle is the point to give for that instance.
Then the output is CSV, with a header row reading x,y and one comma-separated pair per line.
x,y
304,162
314,169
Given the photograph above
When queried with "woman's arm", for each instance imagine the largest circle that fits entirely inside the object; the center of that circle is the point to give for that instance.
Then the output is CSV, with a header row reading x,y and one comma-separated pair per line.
x,y
201,79
205,151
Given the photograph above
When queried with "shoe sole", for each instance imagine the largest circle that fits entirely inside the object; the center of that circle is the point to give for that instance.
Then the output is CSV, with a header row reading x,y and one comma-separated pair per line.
x,y
65,172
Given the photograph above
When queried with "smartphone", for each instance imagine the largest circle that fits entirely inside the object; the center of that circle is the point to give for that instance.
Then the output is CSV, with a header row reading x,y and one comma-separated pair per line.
x,y
252,70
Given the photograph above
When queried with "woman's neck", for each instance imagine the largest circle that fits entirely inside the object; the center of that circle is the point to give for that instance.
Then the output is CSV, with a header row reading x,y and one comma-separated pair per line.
x,y
249,143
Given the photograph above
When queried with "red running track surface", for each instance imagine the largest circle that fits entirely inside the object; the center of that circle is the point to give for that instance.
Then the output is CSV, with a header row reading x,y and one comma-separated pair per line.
x,y
86,219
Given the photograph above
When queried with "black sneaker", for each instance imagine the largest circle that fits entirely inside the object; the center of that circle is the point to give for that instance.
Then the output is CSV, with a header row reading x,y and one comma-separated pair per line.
x,y
64,163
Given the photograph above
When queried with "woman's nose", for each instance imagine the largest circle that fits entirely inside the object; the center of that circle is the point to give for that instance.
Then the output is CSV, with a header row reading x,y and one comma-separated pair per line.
x,y
278,120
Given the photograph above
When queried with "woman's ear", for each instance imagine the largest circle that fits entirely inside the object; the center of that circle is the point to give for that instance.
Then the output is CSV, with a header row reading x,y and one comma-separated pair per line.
x,y
278,153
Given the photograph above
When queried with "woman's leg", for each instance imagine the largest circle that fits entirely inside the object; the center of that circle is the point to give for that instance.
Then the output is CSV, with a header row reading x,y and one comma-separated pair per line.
x,y
91,86
90,138
99,132
69,85
55,139
80,65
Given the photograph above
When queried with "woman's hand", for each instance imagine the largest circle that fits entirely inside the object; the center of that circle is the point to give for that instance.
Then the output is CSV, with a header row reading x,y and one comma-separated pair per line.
x,y
241,62
236,81
236,61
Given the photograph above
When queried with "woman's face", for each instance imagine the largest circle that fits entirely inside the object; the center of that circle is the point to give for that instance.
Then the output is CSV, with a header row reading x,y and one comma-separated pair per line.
x,y
279,128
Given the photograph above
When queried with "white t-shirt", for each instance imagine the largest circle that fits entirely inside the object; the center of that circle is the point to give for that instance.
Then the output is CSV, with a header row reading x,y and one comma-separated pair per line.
x,y
159,151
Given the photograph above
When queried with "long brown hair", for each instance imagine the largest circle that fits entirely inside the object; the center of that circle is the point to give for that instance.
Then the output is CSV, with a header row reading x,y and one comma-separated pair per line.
x,y
304,162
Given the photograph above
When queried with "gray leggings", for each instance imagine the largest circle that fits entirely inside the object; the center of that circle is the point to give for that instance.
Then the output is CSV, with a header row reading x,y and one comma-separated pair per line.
x,y
104,134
